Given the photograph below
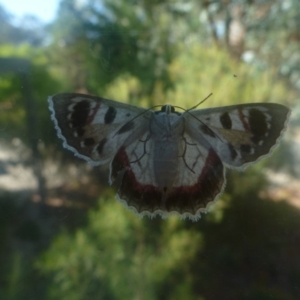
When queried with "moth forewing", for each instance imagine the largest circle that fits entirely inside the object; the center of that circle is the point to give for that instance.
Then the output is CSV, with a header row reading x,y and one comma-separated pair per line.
x,y
167,162
243,134
87,124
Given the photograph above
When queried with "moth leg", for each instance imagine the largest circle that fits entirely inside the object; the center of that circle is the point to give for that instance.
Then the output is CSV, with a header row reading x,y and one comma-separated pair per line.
x,y
145,150
184,152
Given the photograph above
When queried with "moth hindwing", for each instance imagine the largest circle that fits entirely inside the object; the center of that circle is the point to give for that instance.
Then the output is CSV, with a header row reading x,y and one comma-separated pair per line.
x,y
169,162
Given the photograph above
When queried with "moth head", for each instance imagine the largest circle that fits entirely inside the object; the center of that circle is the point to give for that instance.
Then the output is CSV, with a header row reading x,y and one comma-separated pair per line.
x,y
168,109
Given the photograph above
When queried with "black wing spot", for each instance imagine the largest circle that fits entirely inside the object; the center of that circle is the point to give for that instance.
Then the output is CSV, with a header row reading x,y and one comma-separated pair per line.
x,y
101,145
233,152
258,125
127,127
80,131
246,148
206,130
110,115
89,142
79,115
226,120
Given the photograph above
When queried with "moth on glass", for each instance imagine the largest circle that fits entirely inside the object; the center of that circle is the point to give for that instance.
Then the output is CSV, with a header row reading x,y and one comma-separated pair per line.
x,y
170,162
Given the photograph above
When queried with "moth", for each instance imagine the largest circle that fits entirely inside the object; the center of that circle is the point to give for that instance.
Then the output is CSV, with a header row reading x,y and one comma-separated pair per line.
x,y
169,162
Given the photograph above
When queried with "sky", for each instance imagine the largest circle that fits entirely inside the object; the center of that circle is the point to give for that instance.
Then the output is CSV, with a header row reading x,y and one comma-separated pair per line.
x,y
44,10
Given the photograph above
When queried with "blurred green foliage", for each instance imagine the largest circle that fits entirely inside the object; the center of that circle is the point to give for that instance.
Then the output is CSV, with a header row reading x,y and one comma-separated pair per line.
x,y
118,256
12,98
139,257
78,245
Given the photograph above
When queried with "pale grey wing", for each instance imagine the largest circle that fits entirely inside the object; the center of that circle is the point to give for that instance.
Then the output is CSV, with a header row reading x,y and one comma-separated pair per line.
x,y
95,128
160,179
240,134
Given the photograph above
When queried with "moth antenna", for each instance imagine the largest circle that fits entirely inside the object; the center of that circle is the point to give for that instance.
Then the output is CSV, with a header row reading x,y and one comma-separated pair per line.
x,y
190,113
206,126
186,110
137,117
202,101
